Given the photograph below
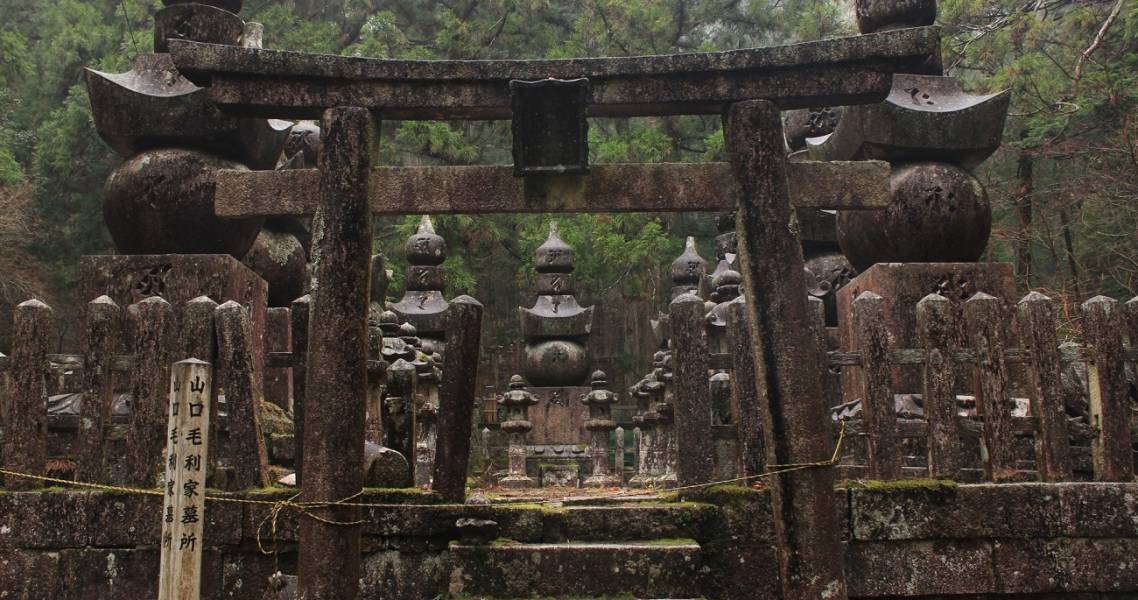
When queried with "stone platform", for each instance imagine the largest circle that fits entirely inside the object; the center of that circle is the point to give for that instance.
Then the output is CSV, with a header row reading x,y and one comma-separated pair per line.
x,y
909,539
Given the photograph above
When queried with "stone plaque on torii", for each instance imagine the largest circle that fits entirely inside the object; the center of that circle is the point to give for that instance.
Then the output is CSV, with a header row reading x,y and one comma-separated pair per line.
x,y
748,87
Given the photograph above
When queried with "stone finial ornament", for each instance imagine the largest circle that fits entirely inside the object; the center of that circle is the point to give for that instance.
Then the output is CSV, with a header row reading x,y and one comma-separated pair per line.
x,y
517,401
556,327
688,270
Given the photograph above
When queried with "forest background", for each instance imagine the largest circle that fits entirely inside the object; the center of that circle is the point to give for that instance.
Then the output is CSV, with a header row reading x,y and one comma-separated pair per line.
x,y
1064,186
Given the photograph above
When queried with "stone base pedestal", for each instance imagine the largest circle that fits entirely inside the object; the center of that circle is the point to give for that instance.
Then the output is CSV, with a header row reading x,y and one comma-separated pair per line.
x,y
601,481
178,278
559,415
902,285
563,475
515,482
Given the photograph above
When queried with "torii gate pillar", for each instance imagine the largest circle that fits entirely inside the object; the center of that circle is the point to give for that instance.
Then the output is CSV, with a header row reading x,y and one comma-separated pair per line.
x,y
329,555
787,355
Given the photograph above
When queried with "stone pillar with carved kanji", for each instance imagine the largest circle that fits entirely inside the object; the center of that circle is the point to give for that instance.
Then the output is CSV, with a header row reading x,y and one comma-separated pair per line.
x,y
600,425
516,402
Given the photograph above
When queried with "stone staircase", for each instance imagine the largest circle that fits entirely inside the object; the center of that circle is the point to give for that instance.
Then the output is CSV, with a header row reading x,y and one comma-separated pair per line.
x,y
640,551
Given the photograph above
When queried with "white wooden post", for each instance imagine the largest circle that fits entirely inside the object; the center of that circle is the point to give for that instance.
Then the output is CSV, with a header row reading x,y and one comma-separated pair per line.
x,y
183,512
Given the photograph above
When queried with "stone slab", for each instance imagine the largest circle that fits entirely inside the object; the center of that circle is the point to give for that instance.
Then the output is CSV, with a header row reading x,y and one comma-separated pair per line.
x,y
643,569
1066,565
179,278
962,512
920,568
32,520
558,417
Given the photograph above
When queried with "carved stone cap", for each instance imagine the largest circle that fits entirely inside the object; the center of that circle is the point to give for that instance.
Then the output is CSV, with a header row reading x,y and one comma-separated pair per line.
x,y
554,255
425,247
689,267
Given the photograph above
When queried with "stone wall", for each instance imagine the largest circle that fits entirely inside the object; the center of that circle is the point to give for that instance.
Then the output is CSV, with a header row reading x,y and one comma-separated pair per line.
x,y
914,539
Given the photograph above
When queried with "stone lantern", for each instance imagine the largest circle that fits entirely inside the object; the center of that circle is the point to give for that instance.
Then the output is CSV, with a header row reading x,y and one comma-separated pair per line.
x,y
600,423
516,402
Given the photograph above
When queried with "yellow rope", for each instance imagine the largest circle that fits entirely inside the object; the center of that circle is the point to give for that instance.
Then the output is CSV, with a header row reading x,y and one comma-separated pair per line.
x,y
306,508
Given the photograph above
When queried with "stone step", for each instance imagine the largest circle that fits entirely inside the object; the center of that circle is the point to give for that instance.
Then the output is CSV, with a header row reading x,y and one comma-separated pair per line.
x,y
630,522
666,568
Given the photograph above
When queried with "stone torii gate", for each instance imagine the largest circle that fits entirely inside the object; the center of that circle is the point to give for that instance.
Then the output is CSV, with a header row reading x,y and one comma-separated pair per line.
x,y
747,87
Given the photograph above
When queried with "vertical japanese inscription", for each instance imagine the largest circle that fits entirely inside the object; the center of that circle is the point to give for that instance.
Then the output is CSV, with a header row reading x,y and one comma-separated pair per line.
x,y
183,511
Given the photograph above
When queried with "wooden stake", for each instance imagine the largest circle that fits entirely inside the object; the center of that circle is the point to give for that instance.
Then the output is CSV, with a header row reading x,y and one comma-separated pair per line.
x,y
183,507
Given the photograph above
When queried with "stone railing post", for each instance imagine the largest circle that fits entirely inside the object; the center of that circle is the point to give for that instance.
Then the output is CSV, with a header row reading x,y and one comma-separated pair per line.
x,y
25,426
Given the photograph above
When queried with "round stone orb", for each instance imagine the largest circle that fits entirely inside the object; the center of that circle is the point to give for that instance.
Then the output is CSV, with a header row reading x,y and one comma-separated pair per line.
x,y
884,15
161,202
937,213
278,257
556,362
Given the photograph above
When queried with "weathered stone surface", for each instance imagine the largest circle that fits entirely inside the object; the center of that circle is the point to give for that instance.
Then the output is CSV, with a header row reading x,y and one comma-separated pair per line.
x,y
956,512
456,398
878,15
804,123
24,409
300,311
925,117
787,354
240,447
180,278
1099,510
1110,404
279,258
641,568
125,573
153,106
1037,319
30,575
832,72
558,417
196,22
423,304
45,520
938,213
695,462
920,568
161,201
328,565
150,326
556,328
102,326
902,286
665,187
394,575
278,338
1066,565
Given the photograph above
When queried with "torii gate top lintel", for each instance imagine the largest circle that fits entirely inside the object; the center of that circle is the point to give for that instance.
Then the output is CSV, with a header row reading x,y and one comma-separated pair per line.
x,y
280,84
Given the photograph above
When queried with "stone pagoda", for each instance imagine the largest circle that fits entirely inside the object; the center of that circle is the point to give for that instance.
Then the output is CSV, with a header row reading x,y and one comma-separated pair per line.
x,y
556,331
423,304
939,218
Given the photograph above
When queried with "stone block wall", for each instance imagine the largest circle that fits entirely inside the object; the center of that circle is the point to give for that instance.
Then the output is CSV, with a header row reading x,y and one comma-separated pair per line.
x,y
916,539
